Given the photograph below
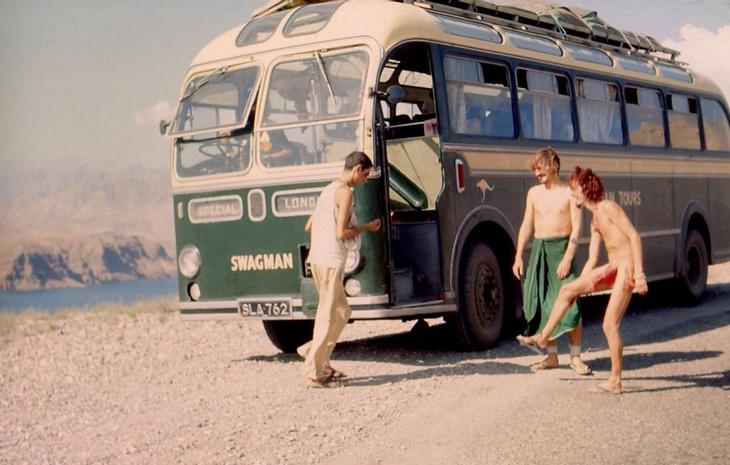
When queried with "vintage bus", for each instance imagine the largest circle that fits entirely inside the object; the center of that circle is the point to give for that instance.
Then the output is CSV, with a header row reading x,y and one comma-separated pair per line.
x,y
450,99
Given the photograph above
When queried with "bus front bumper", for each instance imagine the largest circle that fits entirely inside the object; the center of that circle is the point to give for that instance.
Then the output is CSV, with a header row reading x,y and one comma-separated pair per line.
x,y
363,308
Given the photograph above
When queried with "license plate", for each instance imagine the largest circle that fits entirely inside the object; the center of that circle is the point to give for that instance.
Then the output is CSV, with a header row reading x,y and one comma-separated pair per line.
x,y
265,308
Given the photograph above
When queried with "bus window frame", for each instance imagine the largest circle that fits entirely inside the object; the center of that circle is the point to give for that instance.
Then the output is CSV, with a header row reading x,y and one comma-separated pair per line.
x,y
511,87
670,91
665,116
720,101
374,58
245,116
555,70
621,105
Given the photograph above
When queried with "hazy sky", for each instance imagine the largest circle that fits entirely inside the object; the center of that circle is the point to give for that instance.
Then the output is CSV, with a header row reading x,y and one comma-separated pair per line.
x,y
85,82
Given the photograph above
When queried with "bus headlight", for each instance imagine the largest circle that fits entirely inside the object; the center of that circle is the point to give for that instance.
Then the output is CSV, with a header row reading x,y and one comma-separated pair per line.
x,y
352,261
189,261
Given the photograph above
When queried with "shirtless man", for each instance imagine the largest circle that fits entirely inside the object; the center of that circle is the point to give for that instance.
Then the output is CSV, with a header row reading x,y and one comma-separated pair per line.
x,y
556,220
623,273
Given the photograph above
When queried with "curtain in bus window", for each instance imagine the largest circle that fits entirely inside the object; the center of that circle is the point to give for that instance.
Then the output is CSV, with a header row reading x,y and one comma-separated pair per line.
x,y
459,70
544,108
479,98
462,70
717,130
599,112
541,123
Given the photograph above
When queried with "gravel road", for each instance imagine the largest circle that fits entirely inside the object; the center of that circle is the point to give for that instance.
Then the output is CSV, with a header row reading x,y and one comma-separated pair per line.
x,y
139,386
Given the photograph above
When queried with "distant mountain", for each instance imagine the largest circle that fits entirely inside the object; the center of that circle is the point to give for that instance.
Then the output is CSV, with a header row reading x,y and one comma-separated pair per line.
x,y
85,226
81,260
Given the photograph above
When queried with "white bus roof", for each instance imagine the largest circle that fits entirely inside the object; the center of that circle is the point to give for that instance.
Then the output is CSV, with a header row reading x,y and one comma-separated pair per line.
x,y
390,22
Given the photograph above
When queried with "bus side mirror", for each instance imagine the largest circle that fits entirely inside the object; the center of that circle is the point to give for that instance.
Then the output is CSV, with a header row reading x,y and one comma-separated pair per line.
x,y
163,126
395,94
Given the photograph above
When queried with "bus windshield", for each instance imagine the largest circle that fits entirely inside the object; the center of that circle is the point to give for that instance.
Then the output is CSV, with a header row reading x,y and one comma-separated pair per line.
x,y
312,110
220,99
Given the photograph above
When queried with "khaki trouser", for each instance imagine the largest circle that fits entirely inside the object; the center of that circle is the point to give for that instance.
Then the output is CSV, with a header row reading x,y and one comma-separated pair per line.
x,y
333,313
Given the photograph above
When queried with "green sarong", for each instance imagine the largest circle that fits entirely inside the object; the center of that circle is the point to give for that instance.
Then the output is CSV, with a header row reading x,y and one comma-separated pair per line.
x,y
542,285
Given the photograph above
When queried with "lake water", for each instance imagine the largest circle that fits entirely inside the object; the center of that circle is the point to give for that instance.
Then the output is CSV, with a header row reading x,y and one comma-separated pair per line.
x,y
121,292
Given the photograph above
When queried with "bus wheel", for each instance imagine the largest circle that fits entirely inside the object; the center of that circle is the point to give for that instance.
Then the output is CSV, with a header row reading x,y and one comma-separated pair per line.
x,y
478,323
288,335
692,285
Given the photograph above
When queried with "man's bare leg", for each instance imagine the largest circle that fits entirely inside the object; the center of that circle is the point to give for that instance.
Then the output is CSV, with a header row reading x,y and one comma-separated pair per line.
x,y
615,310
576,363
567,295
551,361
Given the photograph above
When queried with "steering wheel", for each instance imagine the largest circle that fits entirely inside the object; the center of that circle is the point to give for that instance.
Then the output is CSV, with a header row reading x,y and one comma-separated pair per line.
x,y
220,150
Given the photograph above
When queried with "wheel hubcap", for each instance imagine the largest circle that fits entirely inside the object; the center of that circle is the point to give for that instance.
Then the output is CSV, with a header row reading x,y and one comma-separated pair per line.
x,y
487,295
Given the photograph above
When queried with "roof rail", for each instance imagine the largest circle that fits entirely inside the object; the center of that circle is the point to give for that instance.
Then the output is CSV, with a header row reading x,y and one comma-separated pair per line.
x,y
568,24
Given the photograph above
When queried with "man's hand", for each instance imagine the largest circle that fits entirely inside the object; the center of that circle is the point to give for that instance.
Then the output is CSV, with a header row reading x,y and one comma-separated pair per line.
x,y
517,267
640,284
372,226
563,268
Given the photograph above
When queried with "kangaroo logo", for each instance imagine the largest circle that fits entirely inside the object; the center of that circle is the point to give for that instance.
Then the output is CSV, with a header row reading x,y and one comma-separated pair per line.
x,y
484,186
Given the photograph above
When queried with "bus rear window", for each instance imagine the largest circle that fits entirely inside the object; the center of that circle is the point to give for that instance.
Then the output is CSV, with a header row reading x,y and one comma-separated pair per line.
x,y
599,112
684,130
480,99
645,117
544,104
717,130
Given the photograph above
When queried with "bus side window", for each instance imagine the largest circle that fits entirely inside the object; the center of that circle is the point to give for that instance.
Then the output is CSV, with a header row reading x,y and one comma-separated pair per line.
x,y
645,117
714,121
599,111
480,98
544,105
684,130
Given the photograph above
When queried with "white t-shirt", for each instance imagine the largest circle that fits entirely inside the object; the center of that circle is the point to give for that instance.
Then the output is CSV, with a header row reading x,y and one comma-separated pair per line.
x,y
326,249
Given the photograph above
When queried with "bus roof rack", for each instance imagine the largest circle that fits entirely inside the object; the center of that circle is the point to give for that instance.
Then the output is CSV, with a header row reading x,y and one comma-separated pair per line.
x,y
570,24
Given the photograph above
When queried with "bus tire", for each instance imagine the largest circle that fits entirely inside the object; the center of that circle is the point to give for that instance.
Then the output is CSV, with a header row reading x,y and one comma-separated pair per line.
x,y
288,335
478,323
692,284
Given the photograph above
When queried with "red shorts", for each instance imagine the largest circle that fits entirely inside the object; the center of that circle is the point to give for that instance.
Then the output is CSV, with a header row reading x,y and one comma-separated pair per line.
x,y
607,278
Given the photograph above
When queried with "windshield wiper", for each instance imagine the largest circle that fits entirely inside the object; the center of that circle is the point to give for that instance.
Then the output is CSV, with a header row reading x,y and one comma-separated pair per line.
x,y
196,87
326,77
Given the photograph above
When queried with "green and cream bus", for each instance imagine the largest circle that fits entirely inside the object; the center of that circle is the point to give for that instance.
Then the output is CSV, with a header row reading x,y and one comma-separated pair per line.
x,y
449,99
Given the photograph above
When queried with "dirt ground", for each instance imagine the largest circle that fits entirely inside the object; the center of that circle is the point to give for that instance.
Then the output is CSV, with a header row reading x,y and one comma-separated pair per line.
x,y
139,386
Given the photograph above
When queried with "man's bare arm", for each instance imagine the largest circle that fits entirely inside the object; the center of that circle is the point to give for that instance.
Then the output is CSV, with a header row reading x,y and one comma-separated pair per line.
x,y
308,226
576,220
524,234
576,226
593,251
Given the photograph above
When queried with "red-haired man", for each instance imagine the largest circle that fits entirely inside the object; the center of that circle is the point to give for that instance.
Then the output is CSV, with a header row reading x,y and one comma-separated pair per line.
x,y
623,274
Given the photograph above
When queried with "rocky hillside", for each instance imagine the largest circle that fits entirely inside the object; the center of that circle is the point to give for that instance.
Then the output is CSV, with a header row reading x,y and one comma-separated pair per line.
x,y
83,227
78,261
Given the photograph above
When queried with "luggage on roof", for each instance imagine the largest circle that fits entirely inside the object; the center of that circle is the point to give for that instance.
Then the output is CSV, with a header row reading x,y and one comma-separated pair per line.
x,y
567,23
